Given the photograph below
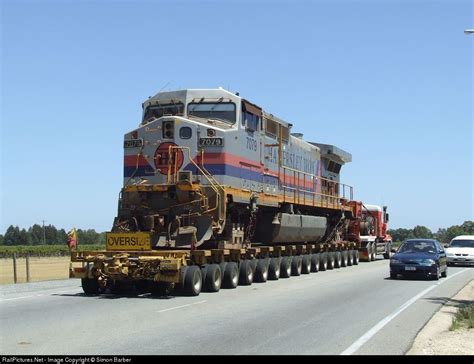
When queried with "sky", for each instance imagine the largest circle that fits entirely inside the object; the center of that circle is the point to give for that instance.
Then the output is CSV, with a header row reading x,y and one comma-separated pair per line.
x,y
388,81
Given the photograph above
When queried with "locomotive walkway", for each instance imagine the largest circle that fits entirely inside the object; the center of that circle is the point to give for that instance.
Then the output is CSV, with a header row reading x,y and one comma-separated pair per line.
x,y
354,310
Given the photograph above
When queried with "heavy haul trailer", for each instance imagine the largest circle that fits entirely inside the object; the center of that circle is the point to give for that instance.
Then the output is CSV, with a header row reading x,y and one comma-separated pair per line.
x,y
219,192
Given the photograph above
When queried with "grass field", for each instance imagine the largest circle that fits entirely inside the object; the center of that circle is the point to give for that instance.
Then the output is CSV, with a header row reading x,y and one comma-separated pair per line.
x,y
41,269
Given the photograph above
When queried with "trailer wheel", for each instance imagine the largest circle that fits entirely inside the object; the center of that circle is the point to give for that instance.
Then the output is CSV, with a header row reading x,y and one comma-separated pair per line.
x,y
350,257
192,281
330,256
338,259
344,258
213,280
274,269
374,252
246,273
323,261
388,248
285,267
231,275
306,264
355,257
261,272
315,259
90,286
296,266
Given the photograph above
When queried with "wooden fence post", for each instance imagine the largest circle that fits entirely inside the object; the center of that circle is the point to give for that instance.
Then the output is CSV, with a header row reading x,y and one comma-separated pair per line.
x,y
15,280
27,267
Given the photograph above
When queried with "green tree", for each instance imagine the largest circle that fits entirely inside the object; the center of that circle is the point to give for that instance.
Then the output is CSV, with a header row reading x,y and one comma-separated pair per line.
x,y
468,227
36,234
401,234
452,232
12,235
422,232
23,237
50,232
61,237
1,239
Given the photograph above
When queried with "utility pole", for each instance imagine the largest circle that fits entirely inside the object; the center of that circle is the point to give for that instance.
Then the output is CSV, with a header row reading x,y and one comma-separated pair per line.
x,y
44,235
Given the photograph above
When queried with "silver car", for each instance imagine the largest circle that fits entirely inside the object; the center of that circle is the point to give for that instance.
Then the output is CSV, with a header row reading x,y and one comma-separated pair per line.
x,y
461,250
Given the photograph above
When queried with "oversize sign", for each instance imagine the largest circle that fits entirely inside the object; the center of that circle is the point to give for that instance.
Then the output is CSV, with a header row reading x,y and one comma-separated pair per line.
x,y
128,241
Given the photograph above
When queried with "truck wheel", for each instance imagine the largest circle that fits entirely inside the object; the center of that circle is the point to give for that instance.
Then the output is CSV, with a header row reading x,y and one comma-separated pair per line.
x,y
213,280
374,252
192,281
323,261
261,272
90,286
246,273
388,248
274,269
337,259
355,257
331,257
344,258
315,258
285,267
296,266
306,264
231,275
350,256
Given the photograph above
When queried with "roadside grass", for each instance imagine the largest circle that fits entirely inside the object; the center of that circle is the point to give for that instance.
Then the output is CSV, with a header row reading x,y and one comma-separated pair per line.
x,y
43,250
464,317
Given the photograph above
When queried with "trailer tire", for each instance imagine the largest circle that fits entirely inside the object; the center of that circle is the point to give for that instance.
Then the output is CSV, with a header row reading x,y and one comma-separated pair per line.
x,y
323,261
274,269
296,266
192,285
338,259
245,273
285,267
374,252
355,257
261,272
388,249
315,261
213,280
90,286
231,275
306,264
350,257
331,258
344,259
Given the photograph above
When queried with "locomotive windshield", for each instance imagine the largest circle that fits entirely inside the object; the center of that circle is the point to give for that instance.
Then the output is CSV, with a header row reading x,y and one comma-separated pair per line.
x,y
157,111
213,110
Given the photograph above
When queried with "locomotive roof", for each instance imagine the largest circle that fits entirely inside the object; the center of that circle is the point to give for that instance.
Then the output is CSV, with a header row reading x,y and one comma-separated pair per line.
x,y
332,152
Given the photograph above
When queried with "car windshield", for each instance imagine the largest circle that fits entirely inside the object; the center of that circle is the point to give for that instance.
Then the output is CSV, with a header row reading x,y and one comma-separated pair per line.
x,y
418,247
462,244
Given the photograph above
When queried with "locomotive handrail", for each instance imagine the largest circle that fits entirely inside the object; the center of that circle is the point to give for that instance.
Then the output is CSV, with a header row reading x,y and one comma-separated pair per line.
x,y
215,185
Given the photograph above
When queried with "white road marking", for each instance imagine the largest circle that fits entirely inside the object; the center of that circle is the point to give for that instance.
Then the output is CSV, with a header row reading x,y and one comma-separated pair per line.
x,y
369,334
175,308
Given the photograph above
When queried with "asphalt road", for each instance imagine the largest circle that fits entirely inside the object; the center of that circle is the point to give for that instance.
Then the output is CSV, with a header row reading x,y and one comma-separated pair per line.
x,y
354,310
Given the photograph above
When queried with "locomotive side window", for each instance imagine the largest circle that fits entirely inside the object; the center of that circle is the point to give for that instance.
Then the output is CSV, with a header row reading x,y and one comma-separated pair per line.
x,y
185,132
251,116
224,111
157,111
271,128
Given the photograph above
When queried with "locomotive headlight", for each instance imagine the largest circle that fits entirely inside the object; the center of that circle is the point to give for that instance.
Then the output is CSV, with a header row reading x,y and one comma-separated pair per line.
x,y
211,133
168,129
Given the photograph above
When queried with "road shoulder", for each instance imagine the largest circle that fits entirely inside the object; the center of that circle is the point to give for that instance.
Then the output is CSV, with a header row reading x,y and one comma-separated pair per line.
x,y
435,337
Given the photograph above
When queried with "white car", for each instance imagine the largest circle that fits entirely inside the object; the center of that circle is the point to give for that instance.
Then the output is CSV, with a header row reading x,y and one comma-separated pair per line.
x,y
461,250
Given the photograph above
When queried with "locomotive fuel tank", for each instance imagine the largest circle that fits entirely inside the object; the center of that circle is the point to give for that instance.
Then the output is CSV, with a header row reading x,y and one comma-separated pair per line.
x,y
290,228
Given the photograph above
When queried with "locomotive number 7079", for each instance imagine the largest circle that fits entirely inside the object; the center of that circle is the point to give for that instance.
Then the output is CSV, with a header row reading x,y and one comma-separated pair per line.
x,y
251,144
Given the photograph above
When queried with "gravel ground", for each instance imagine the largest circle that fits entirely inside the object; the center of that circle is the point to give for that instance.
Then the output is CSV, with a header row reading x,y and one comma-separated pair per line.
x,y
436,339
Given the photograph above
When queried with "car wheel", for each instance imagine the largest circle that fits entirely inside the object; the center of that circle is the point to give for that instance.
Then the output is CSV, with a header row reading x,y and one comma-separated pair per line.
x,y
445,273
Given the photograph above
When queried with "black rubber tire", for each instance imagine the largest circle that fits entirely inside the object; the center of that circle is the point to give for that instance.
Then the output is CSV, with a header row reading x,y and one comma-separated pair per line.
x,y
296,266
344,259
192,284
369,252
231,275
274,269
306,264
374,252
213,280
90,286
245,273
323,261
387,254
253,264
438,273
393,276
261,272
315,261
285,267
350,257
355,257
337,259
331,258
